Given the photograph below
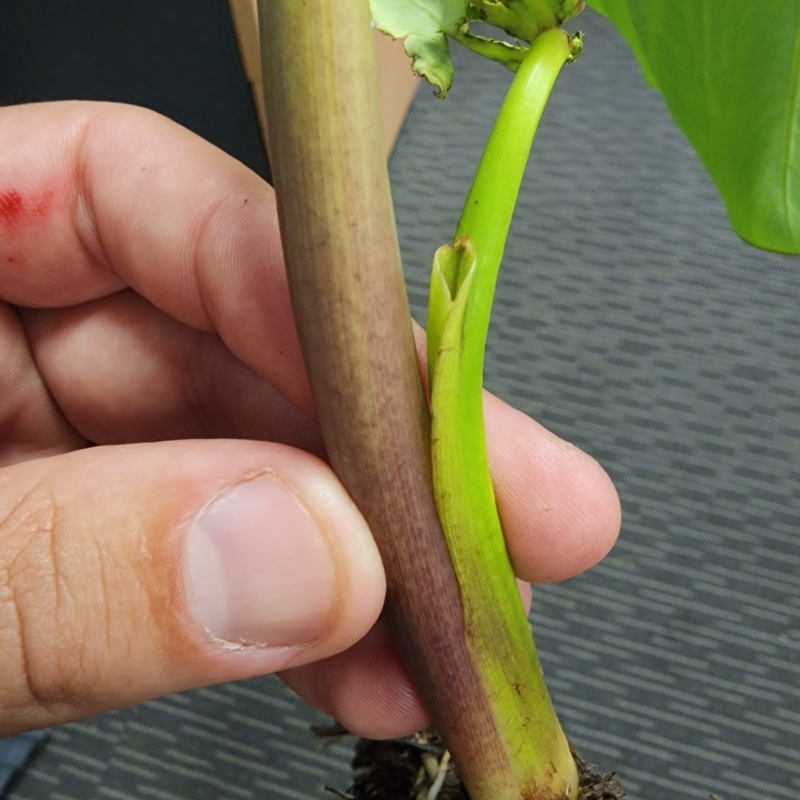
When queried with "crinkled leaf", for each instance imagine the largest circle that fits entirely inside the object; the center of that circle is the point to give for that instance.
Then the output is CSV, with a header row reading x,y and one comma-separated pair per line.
x,y
423,25
730,75
431,58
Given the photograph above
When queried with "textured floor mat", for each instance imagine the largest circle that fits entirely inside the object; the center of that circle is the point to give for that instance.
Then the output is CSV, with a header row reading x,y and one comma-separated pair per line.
x,y
631,321
15,752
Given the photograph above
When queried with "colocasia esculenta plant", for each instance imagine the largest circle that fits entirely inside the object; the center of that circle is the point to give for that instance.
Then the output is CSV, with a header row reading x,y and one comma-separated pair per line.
x,y
416,464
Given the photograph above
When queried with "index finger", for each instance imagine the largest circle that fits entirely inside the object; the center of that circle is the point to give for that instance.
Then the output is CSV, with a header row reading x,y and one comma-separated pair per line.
x,y
98,196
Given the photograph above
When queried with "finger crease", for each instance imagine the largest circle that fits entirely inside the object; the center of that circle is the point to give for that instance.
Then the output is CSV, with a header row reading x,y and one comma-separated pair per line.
x,y
86,228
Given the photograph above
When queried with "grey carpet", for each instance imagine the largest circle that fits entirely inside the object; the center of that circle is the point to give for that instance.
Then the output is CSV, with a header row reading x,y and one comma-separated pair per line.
x,y
630,320
15,751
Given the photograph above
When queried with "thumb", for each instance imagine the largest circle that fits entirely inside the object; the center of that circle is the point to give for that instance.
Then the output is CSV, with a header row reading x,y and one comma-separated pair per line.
x,y
132,571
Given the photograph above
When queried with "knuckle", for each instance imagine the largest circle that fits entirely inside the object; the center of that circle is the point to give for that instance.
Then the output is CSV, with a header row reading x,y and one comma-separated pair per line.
x,y
40,609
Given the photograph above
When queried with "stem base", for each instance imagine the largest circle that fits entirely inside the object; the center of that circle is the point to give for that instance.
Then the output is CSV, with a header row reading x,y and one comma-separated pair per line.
x,y
416,768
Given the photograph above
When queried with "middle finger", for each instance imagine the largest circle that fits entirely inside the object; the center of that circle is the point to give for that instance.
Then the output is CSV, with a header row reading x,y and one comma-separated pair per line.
x,y
123,371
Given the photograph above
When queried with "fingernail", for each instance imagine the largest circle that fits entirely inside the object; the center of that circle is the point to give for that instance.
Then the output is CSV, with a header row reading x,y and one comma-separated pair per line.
x,y
259,570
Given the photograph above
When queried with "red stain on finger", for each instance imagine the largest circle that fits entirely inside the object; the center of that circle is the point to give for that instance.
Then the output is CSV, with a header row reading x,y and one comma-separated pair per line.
x,y
24,211
11,207
41,207
20,213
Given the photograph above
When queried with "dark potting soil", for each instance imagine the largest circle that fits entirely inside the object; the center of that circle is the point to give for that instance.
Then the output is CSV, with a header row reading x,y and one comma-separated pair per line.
x,y
419,768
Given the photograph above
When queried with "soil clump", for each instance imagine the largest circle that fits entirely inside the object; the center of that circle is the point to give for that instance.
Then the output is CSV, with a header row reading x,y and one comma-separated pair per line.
x,y
419,768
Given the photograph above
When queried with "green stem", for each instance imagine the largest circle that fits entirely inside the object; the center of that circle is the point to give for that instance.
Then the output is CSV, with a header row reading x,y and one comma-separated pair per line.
x,y
462,288
489,207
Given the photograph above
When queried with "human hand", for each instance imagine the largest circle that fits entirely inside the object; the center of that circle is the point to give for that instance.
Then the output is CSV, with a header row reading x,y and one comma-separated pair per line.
x,y
144,309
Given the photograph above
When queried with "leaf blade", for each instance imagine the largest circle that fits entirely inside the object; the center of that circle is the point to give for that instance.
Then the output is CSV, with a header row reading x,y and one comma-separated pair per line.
x,y
730,76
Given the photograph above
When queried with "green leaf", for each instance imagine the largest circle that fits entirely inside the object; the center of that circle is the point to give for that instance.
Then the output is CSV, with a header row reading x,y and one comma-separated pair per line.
x,y
424,25
730,75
